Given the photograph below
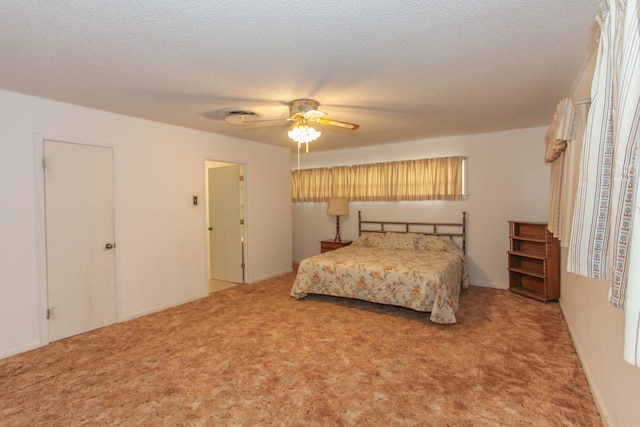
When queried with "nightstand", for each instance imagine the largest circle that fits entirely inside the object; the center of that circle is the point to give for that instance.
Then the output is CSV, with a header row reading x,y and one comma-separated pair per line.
x,y
330,245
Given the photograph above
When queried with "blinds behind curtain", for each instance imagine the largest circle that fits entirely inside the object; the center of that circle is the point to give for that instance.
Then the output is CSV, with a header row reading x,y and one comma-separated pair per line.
x,y
424,179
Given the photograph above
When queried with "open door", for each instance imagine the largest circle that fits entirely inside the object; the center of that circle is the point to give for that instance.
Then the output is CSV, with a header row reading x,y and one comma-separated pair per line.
x,y
226,223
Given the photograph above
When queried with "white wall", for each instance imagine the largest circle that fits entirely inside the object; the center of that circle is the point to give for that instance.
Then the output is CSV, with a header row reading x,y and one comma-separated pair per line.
x,y
161,249
597,330
507,180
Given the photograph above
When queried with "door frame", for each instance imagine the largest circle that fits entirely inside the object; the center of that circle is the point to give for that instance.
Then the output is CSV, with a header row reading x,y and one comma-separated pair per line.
x,y
205,217
41,243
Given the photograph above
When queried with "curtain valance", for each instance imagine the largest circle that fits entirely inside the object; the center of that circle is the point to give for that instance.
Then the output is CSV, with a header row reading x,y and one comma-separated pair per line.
x,y
561,130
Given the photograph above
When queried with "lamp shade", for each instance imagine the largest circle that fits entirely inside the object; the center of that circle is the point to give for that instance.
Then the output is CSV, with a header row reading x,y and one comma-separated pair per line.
x,y
337,206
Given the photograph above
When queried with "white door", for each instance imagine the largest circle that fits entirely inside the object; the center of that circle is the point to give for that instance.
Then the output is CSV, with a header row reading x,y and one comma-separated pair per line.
x,y
79,220
225,223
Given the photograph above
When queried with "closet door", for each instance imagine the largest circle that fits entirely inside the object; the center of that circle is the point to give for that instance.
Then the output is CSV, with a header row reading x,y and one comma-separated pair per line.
x,y
80,247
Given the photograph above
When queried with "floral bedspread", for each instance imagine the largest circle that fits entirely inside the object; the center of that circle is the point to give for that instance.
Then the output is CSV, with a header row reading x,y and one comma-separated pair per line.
x,y
429,281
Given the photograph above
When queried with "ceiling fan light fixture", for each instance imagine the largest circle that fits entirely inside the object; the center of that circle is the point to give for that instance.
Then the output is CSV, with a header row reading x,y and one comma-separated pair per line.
x,y
303,134
301,113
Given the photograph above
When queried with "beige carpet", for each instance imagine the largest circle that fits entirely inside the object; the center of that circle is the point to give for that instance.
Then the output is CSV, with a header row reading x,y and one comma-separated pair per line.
x,y
251,356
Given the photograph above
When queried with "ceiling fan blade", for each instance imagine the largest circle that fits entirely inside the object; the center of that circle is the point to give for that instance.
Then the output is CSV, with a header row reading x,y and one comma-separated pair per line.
x,y
336,123
241,119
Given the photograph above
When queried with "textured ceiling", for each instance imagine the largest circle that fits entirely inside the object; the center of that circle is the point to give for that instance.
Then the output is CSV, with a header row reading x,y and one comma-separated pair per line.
x,y
403,70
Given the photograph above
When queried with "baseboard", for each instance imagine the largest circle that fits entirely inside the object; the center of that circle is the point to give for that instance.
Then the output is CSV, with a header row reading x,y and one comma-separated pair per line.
x,y
159,308
597,399
21,349
489,285
270,276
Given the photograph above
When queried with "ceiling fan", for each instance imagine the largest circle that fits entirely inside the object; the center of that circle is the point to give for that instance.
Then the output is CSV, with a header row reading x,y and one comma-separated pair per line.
x,y
302,112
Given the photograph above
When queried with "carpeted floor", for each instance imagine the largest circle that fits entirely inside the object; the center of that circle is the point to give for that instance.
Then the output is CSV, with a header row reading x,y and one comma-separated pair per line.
x,y
251,356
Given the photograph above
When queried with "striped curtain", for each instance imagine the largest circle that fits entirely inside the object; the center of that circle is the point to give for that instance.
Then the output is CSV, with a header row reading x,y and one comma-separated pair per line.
x,y
606,208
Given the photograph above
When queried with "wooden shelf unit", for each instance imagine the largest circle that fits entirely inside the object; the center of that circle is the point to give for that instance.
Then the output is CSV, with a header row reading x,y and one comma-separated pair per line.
x,y
534,261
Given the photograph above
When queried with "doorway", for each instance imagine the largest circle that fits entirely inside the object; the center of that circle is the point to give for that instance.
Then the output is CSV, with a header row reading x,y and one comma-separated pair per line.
x,y
225,224
79,237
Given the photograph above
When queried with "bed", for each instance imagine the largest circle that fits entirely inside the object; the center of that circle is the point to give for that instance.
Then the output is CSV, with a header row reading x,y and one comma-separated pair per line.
x,y
416,265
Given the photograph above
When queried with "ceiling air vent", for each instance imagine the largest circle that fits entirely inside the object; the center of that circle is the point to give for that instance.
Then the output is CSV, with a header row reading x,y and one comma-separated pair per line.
x,y
237,116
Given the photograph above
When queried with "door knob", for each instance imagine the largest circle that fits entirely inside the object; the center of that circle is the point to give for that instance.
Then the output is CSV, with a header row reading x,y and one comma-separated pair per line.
x,y
110,246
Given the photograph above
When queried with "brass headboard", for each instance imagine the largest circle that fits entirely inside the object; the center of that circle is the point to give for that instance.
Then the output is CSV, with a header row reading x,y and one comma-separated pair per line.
x,y
453,230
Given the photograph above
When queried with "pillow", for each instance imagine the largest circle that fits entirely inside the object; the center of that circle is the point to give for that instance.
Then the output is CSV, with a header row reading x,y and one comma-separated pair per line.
x,y
369,239
436,243
402,241
389,240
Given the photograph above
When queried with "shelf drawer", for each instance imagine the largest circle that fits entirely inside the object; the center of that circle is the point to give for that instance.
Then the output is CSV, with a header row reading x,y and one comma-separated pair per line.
x,y
330,245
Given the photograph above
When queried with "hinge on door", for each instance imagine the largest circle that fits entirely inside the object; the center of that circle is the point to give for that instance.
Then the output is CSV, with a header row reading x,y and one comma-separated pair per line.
x,y
242,265
48,314
242,222
241,177
44,163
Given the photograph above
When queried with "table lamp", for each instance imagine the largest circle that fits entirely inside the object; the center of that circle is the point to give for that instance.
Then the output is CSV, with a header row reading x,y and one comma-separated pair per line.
x,y
337,206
